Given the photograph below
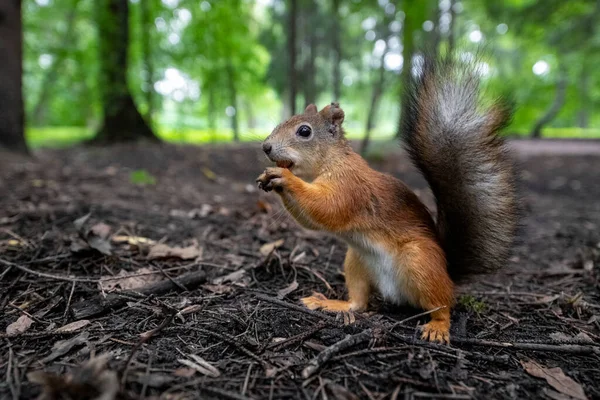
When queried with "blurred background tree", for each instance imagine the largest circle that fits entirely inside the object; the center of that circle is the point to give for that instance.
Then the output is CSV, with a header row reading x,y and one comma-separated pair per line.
x,y
201,71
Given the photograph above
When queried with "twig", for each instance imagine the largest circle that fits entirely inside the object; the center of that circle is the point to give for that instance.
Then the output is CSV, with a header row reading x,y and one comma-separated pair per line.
x,y
559,348
316,363
46,275
231,340
297,338
416,316
294,307
143,340
88,308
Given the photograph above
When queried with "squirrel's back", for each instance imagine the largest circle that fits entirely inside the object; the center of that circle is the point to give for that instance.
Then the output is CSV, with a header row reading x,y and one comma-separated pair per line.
x,y
453,140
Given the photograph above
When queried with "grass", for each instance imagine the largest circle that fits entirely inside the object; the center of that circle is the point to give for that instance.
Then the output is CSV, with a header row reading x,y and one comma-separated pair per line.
x,y
57,137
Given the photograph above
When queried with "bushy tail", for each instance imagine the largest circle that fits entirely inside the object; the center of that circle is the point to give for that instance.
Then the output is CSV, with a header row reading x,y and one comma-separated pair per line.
x,y
453,140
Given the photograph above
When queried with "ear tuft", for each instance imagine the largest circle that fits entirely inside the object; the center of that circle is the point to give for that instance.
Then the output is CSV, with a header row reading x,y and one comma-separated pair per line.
x,y
335,115
310,109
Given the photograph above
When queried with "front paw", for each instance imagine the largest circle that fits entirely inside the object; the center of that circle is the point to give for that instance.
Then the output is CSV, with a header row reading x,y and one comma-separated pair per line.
x,y
272,178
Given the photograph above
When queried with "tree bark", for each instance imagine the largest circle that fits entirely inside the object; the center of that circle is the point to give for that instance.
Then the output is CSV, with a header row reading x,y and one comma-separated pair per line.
x,y
337,51
451,37
11,70
375,96
291,47
557,104
147,24
39,109
407,53
233,101
122,121
309,81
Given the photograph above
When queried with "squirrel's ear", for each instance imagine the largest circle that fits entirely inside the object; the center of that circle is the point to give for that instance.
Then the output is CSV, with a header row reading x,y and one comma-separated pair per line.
x,y
310,109
335,115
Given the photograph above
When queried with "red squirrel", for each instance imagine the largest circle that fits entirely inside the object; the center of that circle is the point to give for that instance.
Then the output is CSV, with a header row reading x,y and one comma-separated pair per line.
x,y
394,245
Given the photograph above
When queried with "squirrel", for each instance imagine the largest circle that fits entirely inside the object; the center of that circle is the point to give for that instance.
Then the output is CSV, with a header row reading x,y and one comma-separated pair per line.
x,y
394,245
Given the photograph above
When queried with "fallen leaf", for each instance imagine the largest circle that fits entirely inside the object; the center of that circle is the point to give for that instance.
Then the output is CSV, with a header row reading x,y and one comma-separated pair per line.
x,y
19,326
62,347
191,309
547,299
218,289
287,290
233,277
73,326
184,372
100,244
184,253
555,378
201,365
80,222
268,248
131,280
132,240
209,174
101,230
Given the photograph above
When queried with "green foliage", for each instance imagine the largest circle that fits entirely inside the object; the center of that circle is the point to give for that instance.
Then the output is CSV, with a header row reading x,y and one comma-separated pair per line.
x,y
194,61
472,304
141,177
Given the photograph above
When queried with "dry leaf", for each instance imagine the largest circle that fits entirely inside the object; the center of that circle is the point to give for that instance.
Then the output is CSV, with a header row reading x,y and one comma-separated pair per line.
x,y
132,240
191,309
285,291
19,326
184,372
268,248
209,174
555,378
101,230
184,253
233,277
218,289
73,326
62,347
131,280
200,365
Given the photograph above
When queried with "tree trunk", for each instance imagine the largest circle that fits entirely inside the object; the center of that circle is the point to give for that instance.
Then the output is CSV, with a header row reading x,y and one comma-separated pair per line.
x,y
375,96
233,101
337,51
122,121
407,53
11,70
309,81
147,24
291,48
583,116
250,114
39,109
559,101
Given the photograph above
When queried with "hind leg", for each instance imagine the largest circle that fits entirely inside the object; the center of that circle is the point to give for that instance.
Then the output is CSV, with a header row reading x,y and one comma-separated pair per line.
x,y
357,282
430,287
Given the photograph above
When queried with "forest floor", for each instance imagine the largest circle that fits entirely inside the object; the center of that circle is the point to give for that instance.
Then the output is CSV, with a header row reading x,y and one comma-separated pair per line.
x,y
166,268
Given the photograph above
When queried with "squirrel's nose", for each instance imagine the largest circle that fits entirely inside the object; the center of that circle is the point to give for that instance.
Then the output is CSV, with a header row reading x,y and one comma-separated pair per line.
x,y
267,147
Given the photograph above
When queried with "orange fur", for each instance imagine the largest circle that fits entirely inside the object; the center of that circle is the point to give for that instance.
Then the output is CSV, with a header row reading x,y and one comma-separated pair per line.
x,y
370,209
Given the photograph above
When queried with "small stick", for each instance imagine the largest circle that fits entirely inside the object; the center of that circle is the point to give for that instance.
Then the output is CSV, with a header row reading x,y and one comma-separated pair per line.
x,y
232,341
559,348
416,316
294,307
316,363
302,336
46,275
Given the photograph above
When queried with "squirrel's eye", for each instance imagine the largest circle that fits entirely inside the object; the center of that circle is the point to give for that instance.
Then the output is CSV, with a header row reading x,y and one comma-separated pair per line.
x,y
304,131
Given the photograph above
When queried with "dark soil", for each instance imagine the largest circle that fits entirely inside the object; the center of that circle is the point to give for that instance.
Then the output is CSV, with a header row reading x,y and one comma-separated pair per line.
x,y
543,307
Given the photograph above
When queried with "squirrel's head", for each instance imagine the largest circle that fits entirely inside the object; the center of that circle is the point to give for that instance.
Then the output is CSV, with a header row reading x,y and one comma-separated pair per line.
x,y
303,143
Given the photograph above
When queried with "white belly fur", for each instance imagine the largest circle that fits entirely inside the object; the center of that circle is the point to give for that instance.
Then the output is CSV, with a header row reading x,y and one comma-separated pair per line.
x,y
388,277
